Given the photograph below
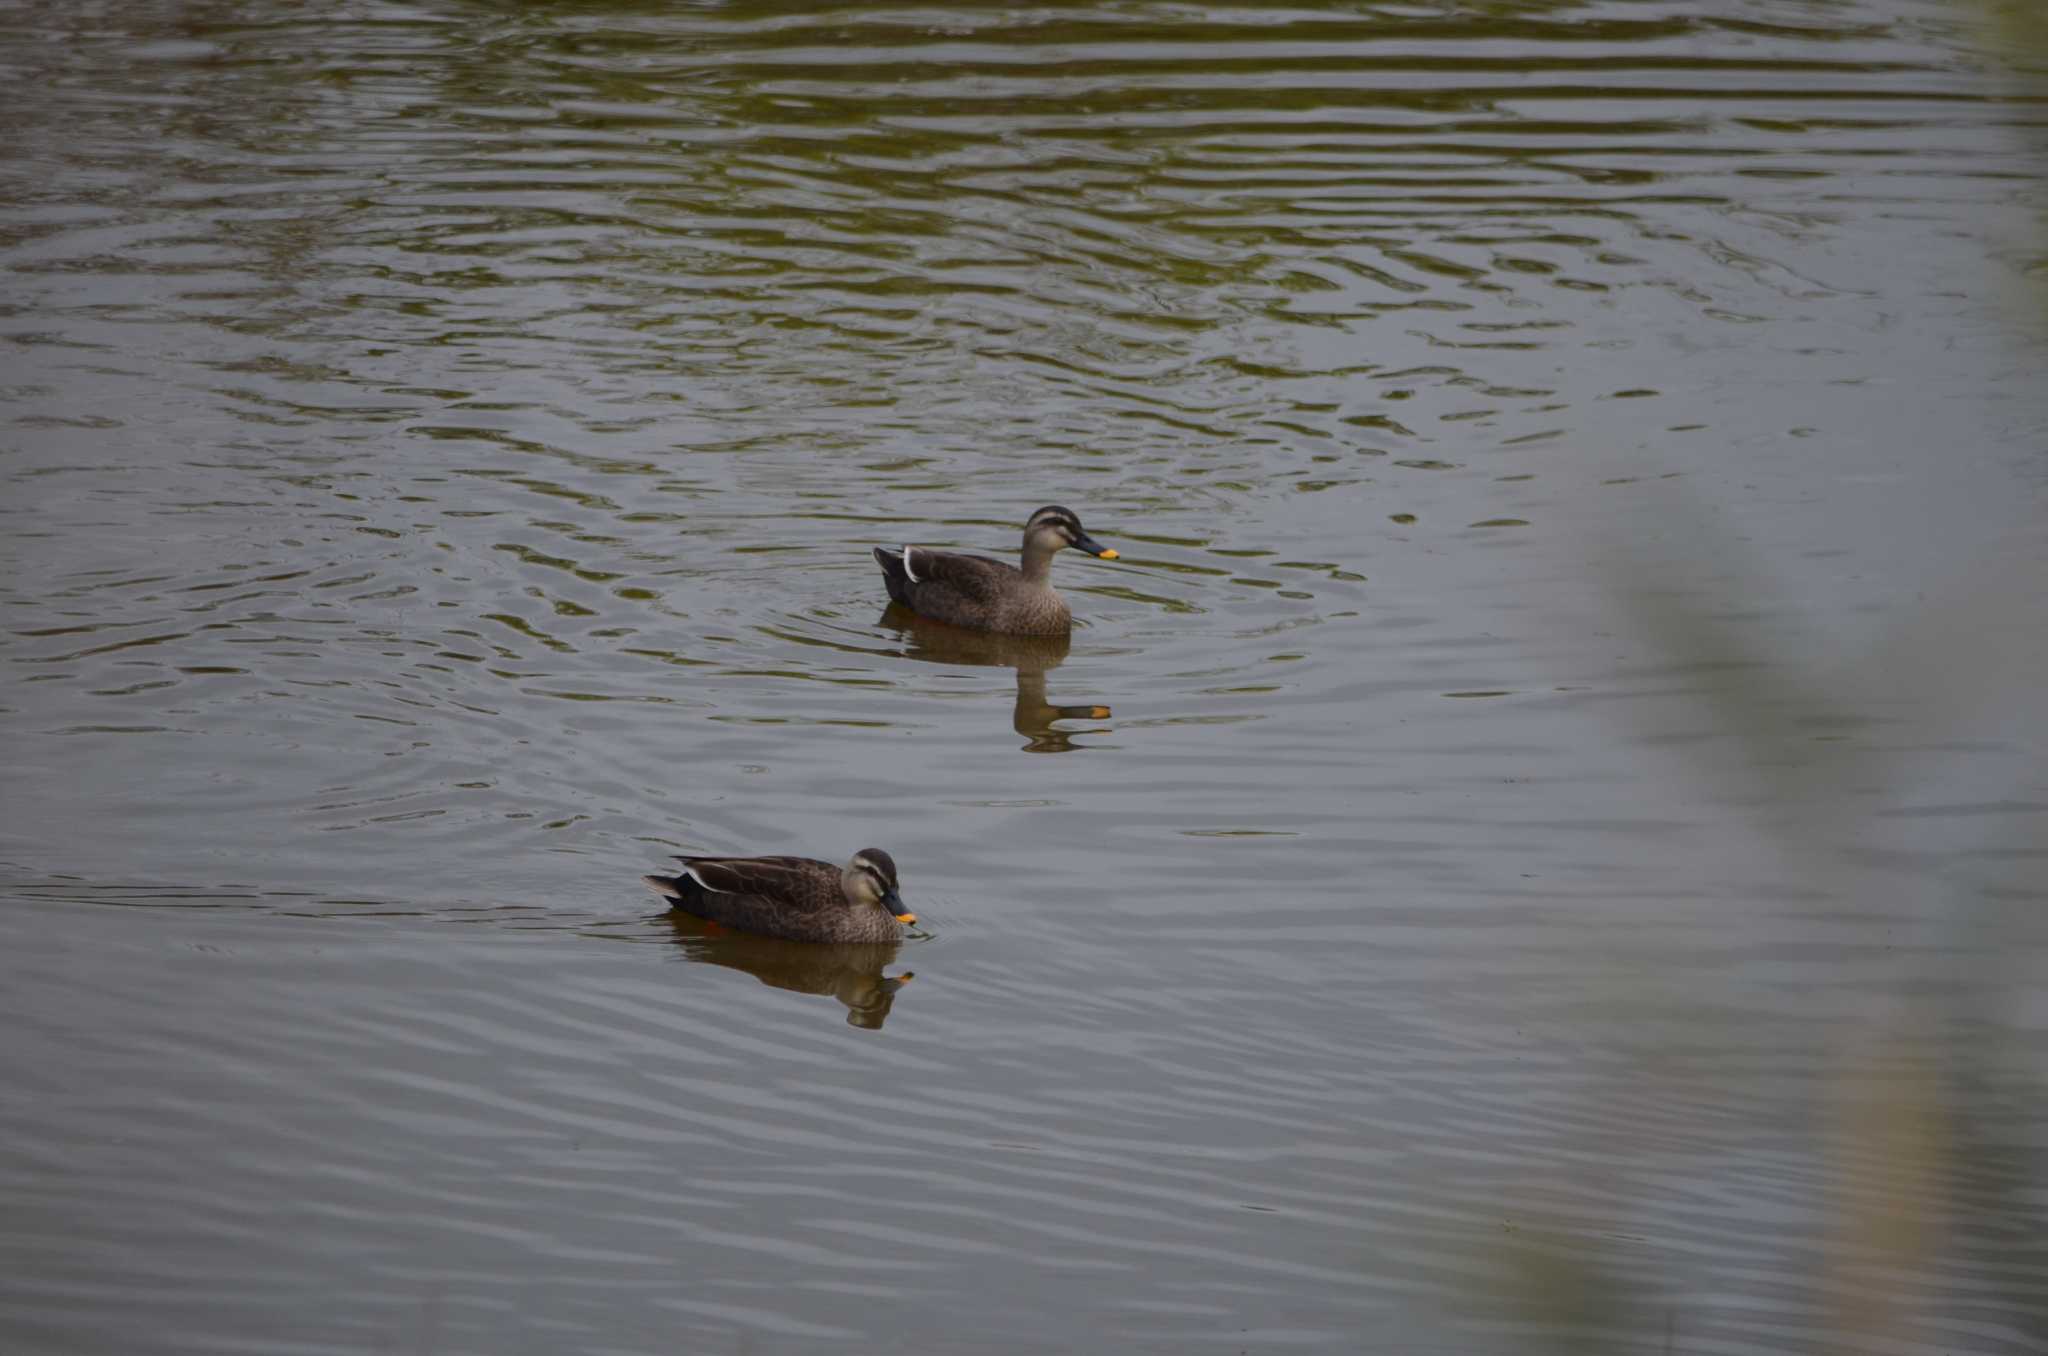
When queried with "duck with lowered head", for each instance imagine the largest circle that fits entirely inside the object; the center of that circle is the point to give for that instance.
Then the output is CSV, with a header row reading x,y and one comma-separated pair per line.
x,y
988,595
799,899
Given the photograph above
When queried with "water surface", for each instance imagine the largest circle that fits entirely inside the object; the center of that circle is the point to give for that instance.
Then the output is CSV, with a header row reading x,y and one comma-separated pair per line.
x,y
1559,867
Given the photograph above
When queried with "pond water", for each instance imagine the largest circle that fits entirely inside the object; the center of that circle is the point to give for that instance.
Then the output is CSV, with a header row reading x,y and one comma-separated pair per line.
x,y
1537,843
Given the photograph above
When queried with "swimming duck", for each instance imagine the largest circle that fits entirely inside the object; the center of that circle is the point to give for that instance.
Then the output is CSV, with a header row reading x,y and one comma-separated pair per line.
x,y
987,595
796,898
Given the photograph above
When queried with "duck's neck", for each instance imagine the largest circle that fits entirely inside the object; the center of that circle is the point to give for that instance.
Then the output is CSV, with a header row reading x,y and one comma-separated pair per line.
x,y
1037,562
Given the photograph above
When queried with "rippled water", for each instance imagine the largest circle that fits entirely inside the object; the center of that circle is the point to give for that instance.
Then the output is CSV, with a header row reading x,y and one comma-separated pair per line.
x,y
1560,867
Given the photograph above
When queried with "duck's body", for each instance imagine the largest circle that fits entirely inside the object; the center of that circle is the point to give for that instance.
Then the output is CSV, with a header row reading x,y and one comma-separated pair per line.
x,y
799,899
989,595
973,591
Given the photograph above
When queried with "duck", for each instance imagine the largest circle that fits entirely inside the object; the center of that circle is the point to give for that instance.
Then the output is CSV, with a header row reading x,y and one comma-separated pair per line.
x,y
987,595
799,899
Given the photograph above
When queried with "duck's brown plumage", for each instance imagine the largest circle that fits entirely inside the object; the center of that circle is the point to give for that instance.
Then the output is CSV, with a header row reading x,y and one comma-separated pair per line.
x,y
797,898
990,595
974,591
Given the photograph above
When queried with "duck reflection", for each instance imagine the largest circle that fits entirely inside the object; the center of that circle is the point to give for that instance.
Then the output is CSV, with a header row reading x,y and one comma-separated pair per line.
x,y
850,972
1030,656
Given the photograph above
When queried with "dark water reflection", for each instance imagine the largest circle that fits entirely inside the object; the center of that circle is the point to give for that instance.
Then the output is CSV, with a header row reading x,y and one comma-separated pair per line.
x,y
851,974
1031,656
1564,870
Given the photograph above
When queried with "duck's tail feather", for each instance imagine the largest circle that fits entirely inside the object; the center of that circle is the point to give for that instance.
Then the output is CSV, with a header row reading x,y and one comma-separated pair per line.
x,y
893,573
668,887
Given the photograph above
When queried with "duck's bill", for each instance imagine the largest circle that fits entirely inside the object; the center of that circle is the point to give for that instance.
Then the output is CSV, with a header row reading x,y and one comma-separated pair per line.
x,y
1094,547
908,920
893,902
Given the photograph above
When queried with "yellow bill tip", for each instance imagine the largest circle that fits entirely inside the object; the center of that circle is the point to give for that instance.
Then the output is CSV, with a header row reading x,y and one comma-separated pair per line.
x,y
909,918
1098,713
1109,553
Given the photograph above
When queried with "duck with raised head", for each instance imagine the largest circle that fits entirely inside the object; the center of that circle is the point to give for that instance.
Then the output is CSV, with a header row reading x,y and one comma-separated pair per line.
x,y
799,899
988,595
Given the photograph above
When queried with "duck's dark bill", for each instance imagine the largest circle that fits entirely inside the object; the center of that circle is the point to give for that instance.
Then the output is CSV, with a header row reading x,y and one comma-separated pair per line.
x,y
1094,547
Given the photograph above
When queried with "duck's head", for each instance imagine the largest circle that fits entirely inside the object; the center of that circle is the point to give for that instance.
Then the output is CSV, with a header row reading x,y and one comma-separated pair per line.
x,y
1053,528
870,879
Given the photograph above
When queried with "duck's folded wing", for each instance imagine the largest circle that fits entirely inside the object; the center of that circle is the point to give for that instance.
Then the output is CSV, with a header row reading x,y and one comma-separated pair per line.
x,y
976,578
795,882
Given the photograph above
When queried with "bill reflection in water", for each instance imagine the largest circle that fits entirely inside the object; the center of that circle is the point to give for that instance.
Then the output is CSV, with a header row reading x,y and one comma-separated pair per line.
x,y
1031,656
852,973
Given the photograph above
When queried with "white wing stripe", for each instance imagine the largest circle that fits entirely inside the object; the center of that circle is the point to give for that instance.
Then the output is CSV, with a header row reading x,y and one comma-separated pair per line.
x,y
906,567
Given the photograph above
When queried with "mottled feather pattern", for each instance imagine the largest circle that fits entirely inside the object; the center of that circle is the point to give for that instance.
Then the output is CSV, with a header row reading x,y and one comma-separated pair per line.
x,y
801,883
974,591
798,898
988,595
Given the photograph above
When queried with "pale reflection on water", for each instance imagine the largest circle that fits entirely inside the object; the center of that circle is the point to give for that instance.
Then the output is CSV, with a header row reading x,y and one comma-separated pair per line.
x,y
1563,871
